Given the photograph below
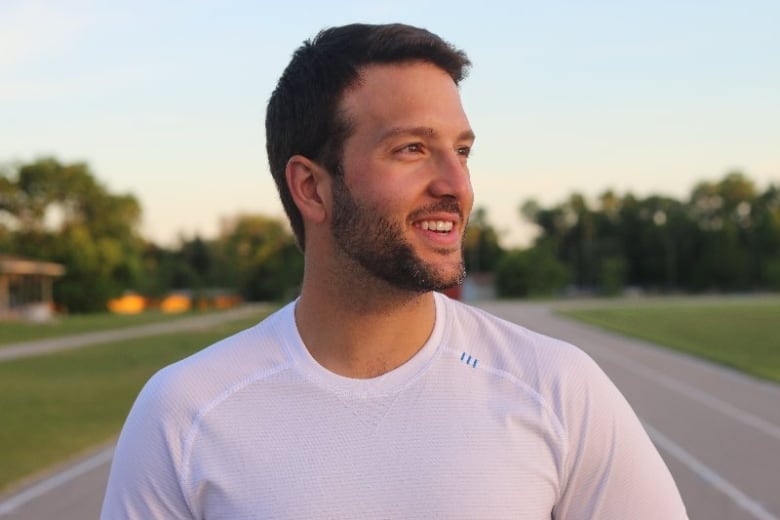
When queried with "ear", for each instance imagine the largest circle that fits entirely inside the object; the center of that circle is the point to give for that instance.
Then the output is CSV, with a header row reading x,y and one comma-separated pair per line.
x,y
309,185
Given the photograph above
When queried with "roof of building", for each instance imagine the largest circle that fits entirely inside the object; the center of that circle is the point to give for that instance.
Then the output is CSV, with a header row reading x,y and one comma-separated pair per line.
x,y
17,265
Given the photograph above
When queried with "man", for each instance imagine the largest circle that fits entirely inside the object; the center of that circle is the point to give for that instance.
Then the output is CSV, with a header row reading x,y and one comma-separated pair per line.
x,y
371,396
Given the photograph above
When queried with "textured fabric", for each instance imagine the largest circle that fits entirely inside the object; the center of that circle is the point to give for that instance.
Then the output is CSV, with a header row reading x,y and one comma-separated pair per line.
x,y
488,421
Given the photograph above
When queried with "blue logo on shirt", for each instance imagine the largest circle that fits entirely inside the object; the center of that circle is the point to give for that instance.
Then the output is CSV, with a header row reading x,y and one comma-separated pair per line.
x,y
471,361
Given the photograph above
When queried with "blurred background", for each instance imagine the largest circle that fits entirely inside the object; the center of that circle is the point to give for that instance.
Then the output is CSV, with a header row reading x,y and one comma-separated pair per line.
x,y
626,151
637,143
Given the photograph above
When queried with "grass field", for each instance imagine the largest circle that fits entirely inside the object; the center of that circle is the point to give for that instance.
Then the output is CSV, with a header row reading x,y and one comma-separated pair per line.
x,y
743,333
13,331
59,405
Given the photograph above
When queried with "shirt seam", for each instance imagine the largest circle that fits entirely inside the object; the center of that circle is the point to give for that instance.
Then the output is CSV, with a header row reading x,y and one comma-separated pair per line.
x,y
549,410
183,473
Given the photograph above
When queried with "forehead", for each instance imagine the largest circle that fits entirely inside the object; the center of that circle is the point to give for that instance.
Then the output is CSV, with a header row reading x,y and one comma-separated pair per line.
x,y
415,93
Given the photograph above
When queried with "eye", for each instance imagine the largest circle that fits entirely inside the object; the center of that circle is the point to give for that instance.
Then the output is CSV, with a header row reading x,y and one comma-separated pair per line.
x,y
411,148
464,151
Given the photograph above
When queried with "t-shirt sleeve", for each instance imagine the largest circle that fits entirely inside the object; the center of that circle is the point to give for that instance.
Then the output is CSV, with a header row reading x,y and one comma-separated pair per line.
x,y
611,469
144,482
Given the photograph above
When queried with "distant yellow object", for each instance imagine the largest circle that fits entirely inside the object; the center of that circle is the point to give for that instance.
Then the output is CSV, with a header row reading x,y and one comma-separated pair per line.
x,y
182,301
176,303
130,303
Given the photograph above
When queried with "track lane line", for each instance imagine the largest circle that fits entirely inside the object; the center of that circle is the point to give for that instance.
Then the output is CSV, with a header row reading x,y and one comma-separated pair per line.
x,y
58,479
745,502
759,423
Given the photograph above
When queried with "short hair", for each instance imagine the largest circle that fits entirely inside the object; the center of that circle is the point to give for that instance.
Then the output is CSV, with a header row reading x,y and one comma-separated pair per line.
x,y
303,112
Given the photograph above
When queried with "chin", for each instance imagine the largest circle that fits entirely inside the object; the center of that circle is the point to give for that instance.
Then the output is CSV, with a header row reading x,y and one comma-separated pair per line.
x,y
452,276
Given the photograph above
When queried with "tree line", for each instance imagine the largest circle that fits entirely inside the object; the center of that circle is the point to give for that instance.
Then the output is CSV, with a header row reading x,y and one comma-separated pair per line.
x,y
61,213
724,237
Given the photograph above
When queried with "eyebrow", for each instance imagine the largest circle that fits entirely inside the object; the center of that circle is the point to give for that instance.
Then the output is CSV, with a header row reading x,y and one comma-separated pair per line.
x,y
422,131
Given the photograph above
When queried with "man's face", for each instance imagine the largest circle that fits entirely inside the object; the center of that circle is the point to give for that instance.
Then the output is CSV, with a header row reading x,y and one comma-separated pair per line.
x,y
401,209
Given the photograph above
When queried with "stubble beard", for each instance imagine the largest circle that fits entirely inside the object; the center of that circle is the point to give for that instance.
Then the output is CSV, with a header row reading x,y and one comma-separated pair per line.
x,y
378,246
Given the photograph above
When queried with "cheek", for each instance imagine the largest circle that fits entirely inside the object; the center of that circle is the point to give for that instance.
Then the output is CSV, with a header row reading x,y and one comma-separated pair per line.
x,y
388,205
386,197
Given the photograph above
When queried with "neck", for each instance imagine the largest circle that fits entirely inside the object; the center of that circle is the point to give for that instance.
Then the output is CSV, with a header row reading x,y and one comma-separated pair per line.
x,y
362,329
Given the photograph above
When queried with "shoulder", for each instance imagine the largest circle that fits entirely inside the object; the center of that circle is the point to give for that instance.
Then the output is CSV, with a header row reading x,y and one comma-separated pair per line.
x,y
561,377
608,467
152,452
221,368
511,347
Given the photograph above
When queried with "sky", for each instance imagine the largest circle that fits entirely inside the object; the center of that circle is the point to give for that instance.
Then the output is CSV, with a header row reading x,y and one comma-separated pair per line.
x,y
166,99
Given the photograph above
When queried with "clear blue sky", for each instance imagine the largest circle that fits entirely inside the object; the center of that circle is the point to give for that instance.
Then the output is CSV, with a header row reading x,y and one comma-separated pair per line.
x,y
166,99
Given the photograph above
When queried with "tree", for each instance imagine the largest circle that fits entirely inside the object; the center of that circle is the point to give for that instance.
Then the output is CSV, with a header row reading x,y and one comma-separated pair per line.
x,y
766,225
724,212
481,248
568,231
60,212
530,272
265,262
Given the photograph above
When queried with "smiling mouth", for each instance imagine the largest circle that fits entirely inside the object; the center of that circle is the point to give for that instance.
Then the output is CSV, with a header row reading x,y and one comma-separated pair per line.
x,y
439,226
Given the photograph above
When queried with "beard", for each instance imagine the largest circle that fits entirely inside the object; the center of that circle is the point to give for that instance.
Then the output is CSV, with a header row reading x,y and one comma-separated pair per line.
x,y
378,246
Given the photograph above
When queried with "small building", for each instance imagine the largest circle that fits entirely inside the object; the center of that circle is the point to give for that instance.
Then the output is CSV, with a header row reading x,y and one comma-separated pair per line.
x,y
26,288
479,287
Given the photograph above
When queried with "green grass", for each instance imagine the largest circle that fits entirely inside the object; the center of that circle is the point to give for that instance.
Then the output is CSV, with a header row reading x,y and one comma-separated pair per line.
x,y
743,333
57,406
13,331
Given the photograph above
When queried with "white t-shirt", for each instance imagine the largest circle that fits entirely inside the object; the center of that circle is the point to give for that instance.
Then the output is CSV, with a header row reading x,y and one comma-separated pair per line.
x,y
487,421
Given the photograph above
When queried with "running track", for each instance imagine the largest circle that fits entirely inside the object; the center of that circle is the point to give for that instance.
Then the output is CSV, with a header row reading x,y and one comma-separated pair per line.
x,y
718,431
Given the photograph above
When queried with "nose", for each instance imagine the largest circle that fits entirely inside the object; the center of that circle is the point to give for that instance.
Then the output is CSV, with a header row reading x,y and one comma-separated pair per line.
x,y
451,178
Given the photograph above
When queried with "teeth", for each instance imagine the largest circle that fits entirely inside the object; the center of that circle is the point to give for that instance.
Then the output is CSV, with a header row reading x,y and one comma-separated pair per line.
x,y
436,225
